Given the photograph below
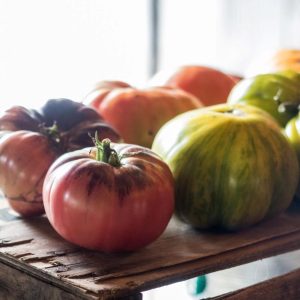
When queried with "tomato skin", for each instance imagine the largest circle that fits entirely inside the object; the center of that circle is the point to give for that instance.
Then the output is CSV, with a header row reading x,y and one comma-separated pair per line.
x,y
150,108
20,178
278,94
232,166
292,132
101,90
27,149
209,85
111,209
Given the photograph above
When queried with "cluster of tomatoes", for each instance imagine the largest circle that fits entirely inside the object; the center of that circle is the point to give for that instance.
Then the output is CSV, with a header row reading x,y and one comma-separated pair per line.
x,y
66,159
89,166
100,195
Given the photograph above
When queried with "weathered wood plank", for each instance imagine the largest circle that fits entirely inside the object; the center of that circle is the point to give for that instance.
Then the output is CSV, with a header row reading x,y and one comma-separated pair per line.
x,y
180,253
281,287
164,276
15,284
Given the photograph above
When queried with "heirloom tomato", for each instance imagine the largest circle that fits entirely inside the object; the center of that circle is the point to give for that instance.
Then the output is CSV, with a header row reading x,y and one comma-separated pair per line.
x,y
292,131
32,139
209,85
137,114
101,90
277,61
232,166
277,94
285,59
112,198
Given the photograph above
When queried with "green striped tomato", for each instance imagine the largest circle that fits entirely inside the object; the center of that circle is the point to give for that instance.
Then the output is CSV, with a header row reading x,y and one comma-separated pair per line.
x,y
277,94
292,131
232,166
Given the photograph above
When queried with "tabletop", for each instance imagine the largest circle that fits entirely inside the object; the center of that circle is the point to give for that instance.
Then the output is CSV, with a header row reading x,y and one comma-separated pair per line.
x,y
34,255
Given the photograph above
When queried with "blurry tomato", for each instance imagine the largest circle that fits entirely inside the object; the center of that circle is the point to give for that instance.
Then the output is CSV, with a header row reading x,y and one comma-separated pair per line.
x,y
101,90
138,114
209,85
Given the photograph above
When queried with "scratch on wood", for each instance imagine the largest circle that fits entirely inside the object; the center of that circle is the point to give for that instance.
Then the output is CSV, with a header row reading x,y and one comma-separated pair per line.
x,y
48,257
61,269
73,271
81,276
60,252
101,279
33,258
9,243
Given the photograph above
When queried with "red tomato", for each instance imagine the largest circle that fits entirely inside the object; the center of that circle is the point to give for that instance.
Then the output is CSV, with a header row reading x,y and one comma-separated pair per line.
x,y
138,114
118,199
25,159
32,140
101,90
209,85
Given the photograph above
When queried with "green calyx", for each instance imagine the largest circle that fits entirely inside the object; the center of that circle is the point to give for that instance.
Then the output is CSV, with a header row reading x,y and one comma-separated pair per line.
x,y
52,132
105,153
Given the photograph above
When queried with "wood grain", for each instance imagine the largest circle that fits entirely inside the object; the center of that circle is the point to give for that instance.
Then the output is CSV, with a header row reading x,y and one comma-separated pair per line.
x,y
33,247
15,284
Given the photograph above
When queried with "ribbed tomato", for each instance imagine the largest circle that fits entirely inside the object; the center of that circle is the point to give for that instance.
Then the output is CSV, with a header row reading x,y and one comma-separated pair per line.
x,y
292,131
277,94
137,114
209,85
101,90
31,140
116,197
232,166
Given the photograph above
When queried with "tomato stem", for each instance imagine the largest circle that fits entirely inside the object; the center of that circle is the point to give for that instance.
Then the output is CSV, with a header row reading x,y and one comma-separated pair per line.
x,y
105,153
106,150
52,132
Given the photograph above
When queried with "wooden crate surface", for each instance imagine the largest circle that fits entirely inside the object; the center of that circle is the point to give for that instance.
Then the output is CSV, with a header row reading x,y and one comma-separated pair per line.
x,y
33,247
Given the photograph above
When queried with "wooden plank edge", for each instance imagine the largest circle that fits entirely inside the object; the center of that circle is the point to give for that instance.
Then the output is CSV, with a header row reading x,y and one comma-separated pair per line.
x,y
169,275
15,284
58,287
123,274
131,284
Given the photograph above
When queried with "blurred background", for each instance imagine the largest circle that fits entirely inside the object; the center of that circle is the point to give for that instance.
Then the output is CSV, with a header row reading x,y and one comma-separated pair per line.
x,y
60,48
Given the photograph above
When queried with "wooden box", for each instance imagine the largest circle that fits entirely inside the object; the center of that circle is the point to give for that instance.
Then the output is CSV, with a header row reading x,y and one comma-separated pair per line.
x,y
35,263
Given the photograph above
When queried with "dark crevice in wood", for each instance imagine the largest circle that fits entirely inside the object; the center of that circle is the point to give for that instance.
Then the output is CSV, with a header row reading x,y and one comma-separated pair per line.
x,y
62,252
49,257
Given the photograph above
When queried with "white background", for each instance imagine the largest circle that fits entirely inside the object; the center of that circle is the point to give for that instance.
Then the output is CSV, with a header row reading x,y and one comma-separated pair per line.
x,y
59,48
